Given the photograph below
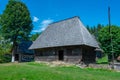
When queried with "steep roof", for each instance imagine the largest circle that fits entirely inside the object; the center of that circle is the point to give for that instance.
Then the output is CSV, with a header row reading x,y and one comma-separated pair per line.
x,y
67,32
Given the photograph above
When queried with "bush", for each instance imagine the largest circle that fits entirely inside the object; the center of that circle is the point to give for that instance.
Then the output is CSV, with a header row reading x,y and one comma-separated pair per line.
x,y
5,58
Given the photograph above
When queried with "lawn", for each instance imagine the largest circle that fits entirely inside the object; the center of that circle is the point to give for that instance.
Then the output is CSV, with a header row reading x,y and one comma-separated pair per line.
x,y
37,71
103,60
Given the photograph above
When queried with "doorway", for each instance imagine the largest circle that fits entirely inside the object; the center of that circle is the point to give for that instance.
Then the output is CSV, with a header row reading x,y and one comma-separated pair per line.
x,y
61,55
16,57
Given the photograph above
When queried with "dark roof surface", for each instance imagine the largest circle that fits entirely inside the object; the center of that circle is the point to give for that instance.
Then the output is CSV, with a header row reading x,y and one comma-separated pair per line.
x,y
23,47
67,32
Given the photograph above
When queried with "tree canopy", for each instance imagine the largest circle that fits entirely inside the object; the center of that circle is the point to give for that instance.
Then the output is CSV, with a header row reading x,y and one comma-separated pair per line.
x,y
4,46
15,22
105,40
33,37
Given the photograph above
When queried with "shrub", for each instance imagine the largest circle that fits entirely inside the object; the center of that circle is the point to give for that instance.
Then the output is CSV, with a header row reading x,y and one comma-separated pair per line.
x,y
5,58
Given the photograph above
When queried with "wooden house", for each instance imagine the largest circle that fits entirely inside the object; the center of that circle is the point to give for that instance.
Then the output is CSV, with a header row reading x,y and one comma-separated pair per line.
x,y
67,40
23,54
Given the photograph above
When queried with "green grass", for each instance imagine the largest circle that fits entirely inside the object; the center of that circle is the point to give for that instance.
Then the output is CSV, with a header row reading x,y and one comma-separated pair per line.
x,y
37,71
103,60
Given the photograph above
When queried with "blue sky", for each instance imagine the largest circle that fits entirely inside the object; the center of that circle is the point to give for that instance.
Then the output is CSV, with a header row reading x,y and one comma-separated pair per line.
x,y
91,12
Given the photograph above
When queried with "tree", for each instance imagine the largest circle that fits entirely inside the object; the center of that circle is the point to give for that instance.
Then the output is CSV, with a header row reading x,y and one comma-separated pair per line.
x,y
88,28
5,46
35,36
94,30
105,40
15,23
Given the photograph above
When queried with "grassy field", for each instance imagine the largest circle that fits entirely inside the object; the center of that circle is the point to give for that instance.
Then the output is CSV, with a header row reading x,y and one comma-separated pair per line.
x,y
103,60
37,71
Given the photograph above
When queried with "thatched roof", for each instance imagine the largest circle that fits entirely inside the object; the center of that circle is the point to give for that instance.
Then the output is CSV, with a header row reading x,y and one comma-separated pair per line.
x,y
67,32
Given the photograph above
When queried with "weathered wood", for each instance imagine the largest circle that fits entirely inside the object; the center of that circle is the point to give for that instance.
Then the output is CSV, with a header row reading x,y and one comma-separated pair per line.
x,y
45,58
26,57
73,54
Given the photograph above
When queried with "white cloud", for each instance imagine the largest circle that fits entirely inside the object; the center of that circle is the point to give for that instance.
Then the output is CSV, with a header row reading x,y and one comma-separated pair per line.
x,y
43,25
46,22
35,19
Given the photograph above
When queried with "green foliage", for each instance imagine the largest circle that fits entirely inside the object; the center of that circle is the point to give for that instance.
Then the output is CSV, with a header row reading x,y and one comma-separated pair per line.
x,y
37,71
5,46
15,21
4,58
33,37
94,29
103,60
105,40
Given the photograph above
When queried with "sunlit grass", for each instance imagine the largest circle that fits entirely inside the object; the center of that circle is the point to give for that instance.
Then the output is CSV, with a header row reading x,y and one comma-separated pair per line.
x,y
103,60
38,71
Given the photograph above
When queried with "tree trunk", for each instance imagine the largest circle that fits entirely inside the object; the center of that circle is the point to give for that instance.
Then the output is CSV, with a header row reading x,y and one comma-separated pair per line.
x,y
14,51
13,55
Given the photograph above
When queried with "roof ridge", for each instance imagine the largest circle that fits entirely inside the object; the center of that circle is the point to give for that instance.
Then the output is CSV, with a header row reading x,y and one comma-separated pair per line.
x,y
65,19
